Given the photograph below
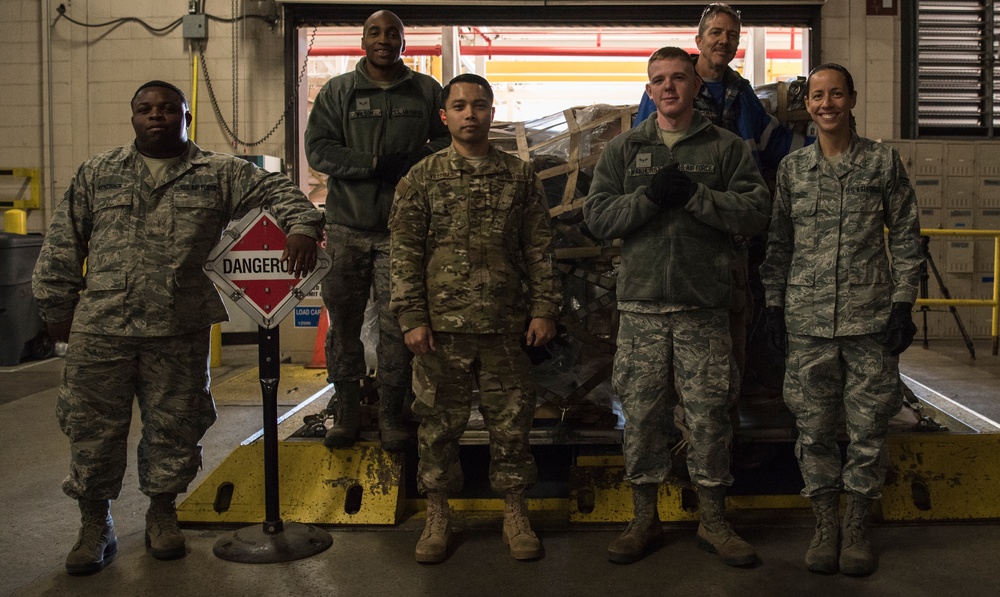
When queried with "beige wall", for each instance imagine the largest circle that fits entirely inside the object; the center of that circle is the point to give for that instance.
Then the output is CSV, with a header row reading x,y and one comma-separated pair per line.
x,y
869,48
95,71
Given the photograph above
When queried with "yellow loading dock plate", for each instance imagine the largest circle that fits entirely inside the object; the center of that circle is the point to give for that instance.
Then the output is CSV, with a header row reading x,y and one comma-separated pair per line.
x,y
599,494
931,477
316,485
942,476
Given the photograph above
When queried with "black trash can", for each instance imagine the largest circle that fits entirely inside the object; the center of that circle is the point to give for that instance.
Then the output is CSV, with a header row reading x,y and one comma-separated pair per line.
x,y
22,331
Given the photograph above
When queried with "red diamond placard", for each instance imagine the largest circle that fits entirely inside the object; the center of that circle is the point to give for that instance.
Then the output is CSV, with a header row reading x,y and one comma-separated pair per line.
x,y
246,265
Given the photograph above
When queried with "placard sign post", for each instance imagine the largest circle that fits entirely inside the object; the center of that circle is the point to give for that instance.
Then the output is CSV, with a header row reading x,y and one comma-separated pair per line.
x,y
246,265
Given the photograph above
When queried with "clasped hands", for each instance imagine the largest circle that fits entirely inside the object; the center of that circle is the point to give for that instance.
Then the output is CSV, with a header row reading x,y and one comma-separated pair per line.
x,y
670,187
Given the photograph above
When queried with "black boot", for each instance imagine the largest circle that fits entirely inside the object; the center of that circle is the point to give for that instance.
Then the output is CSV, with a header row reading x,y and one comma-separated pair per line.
x,y
97,544
347,418
644,533
390,418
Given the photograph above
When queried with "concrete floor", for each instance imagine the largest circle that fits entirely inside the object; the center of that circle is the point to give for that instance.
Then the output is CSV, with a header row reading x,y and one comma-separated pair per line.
x,y
38,526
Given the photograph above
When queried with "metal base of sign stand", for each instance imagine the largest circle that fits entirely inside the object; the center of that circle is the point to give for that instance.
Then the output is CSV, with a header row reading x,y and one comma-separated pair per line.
x,y
274,540
260,544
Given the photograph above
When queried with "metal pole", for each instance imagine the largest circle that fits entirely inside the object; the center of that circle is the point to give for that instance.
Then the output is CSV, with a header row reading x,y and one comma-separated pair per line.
x,y
272,541
270,372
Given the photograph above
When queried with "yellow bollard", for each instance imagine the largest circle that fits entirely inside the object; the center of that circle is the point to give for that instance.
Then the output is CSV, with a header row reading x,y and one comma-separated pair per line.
x,y
216,346
15,221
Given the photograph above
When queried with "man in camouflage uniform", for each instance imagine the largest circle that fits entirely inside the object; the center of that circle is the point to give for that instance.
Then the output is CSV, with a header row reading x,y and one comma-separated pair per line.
x,y
728,100
144,217
842,308
675,190
365,130
471,261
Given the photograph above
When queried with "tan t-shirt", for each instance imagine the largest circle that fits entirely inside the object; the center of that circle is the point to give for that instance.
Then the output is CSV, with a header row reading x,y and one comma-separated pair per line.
x,y
158,167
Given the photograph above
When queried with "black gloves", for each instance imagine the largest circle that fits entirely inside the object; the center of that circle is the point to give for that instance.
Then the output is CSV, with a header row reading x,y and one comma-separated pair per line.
x,y
394,166
774,329
390,167
670,187
900,330
415,156
536,354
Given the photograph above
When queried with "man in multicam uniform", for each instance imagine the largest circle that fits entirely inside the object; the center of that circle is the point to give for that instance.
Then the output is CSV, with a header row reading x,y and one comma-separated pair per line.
x,y
675,190
366,128
842,308
145,217
471,262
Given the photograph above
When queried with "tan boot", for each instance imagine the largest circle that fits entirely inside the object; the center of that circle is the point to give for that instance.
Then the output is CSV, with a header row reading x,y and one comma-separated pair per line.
x,y
644,533
346,405
433,544
856,557
714,533
517,533
163,535
822,553
97,544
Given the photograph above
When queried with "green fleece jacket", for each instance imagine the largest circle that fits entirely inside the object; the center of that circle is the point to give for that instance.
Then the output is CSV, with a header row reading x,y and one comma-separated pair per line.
x,y
679,256
352,122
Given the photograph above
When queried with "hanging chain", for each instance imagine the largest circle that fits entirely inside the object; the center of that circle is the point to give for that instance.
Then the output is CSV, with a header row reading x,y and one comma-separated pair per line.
x,y
234,7
292,101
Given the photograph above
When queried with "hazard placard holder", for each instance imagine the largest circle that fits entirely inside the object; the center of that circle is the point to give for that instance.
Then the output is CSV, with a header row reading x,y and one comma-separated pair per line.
x,y
247,265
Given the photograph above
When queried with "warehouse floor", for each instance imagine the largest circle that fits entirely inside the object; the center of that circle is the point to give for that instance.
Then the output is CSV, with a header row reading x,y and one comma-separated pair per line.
x,y
38,526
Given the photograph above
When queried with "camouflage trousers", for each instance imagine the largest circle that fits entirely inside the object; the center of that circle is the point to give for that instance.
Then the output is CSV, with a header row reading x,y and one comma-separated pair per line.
x,y
695,348
444,381
854,375
740,311
169,378
361,267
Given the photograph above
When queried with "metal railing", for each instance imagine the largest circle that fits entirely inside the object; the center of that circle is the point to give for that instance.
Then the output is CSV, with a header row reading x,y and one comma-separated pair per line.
x,y
993,303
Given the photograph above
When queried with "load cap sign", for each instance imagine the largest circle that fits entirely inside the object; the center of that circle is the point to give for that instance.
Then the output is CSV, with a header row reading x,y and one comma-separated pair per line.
x,y
246,265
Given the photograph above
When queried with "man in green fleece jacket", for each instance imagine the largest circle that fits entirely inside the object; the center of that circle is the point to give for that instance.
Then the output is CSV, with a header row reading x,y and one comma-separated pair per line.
x,y
675,190
366,129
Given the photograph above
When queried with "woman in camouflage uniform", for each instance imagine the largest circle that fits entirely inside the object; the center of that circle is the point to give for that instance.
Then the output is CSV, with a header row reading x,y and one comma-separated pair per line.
x,y
840,310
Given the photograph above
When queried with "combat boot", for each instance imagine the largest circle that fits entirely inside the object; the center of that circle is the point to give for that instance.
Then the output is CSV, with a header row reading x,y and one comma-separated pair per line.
x,y
856,557
517,533
714,533
97,544
347,415
390,418
822,553
644,532
164,539
433,544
